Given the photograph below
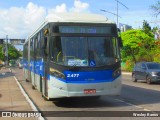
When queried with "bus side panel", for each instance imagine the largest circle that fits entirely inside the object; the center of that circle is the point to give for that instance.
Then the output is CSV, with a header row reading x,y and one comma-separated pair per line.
x,y
26,57
39,73
25,69
32,72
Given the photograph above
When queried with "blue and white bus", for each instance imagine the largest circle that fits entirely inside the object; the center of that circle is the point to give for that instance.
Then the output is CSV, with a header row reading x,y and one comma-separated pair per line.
x,y
74,55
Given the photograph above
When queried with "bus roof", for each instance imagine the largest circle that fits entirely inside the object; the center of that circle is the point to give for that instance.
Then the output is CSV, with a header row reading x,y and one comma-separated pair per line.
x,y
73,18
78,17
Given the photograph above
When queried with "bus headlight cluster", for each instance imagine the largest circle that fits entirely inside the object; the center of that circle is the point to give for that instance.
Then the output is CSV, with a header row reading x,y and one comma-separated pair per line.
x,y
116,73
58,75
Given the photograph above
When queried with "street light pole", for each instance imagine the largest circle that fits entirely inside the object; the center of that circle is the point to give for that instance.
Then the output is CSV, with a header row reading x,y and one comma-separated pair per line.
x,y
6,54
113,14
118,2
110,12
117,15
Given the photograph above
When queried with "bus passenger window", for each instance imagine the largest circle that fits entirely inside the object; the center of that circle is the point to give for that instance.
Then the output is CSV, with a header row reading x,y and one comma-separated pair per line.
x,y
45,46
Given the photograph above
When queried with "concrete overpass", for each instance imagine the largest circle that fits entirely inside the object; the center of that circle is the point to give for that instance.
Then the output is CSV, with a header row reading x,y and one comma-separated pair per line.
x,y
12,41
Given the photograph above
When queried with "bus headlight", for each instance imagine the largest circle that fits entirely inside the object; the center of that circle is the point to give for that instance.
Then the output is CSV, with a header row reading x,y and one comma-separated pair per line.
x,y
116,73
58,75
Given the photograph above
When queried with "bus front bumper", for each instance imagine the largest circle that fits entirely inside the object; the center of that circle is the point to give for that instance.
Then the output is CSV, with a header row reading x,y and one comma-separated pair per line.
x,y
61,89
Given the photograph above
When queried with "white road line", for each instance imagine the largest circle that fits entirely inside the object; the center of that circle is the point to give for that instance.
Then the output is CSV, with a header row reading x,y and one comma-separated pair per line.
x,y
137,106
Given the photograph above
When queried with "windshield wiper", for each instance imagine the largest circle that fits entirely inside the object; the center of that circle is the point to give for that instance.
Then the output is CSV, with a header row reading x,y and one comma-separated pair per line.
x,y
73,68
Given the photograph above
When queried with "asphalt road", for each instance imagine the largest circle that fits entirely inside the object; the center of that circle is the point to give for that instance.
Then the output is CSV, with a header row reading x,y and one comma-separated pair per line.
x,y
134,97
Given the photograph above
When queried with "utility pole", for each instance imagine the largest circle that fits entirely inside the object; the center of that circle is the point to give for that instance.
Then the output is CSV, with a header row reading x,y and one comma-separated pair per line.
x,y
6,52
118,2
117,15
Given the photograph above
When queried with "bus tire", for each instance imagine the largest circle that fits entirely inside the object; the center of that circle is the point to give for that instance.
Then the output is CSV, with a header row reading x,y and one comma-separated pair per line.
x,y
27,80
33,87
45,98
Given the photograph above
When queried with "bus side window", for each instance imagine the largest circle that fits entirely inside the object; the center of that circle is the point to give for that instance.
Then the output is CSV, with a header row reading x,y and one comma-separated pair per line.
x,y
45,43
44,46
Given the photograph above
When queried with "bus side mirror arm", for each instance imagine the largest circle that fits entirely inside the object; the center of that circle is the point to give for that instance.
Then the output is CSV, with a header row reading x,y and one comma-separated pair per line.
x,y
119,38
120,43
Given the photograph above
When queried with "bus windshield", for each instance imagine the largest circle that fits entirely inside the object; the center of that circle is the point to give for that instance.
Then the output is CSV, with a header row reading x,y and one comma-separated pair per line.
x,y
84,51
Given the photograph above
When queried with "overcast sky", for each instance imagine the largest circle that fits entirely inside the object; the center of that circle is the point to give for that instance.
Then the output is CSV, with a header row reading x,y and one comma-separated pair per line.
x,y
18,18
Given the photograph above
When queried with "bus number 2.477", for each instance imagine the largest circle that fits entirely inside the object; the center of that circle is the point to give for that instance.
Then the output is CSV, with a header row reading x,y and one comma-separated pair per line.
x,y
72,75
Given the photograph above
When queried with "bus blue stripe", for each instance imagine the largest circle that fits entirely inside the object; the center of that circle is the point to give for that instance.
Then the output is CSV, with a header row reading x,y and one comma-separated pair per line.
x,y
87,77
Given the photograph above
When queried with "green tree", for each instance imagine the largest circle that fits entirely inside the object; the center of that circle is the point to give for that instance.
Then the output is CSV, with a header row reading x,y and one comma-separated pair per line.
x,y
157,52
136,43
156,8
155,29
146,27
1,53
13,53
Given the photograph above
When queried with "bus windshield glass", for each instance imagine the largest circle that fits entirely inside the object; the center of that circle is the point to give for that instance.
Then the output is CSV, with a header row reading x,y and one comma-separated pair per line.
x,y
84,51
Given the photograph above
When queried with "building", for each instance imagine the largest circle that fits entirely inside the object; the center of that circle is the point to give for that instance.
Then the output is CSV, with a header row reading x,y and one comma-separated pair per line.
x,y
18,43
124,27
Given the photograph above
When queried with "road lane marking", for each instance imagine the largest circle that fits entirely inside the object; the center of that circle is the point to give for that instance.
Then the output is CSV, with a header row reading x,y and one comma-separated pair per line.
x,y
137,106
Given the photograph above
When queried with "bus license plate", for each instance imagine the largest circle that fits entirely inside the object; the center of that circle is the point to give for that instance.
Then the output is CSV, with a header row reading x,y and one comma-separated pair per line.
x,y
89,91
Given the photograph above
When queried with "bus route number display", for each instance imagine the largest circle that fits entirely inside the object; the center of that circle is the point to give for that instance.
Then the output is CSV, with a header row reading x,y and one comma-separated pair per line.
x,y
84,29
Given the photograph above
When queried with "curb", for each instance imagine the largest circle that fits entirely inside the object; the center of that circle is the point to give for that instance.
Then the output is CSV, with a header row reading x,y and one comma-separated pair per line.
x,y
27,97
126,73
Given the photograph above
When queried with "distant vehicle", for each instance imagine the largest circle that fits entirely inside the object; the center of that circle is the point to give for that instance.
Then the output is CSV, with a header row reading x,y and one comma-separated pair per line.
x,y
149,71
12,63
20,63
1,64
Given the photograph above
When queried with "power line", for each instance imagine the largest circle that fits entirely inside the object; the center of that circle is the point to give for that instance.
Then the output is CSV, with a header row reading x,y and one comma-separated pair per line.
x,y
122,4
